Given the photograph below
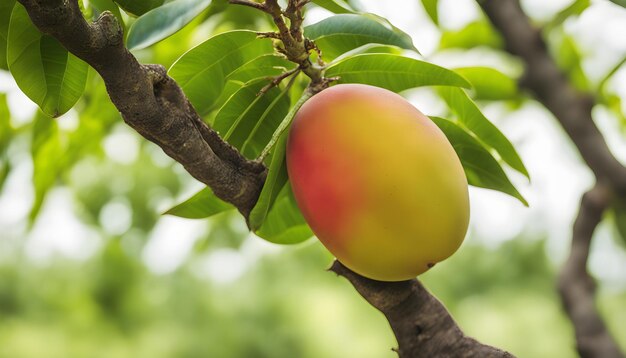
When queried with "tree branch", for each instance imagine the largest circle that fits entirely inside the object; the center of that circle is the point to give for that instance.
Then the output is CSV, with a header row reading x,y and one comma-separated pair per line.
x,y
421,324
151,102
577,287
573,111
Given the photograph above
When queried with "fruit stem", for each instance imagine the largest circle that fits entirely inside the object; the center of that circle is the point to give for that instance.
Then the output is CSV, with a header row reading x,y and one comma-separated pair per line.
x,y
308,93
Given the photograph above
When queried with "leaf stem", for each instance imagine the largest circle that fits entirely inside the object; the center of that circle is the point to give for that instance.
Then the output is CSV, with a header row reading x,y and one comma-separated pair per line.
x,y
308,93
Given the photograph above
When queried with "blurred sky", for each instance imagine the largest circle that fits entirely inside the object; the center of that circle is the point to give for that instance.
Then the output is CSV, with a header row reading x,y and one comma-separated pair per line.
x,y
558,176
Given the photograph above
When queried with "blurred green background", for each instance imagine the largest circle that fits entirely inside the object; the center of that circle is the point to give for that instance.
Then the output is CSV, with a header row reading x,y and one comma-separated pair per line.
x,y
90,268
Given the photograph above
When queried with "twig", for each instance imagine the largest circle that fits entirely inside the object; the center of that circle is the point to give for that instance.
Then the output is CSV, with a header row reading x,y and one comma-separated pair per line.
x,y
275,81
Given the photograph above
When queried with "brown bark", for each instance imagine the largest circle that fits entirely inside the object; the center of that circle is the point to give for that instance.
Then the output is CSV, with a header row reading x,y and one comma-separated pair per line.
x,y
572,109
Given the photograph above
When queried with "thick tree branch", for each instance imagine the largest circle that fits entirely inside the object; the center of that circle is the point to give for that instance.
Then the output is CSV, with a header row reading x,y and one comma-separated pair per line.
x,y
577,287
421,324
151,102
573,111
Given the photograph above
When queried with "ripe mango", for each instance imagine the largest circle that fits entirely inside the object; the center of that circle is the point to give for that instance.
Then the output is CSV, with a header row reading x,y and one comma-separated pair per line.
x,y
377,181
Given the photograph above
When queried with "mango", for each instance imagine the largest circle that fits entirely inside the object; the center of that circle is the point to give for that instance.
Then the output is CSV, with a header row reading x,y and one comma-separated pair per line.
x,y
377,181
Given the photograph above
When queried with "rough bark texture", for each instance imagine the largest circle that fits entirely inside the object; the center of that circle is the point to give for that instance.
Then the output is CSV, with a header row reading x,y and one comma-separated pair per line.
x,y
421,324
151,102
573,110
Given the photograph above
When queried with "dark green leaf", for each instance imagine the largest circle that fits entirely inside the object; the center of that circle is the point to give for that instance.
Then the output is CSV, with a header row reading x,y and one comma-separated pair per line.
x,y
621,3
6,7
393,72
261,67
248,120
276,179
44,70
335,6
203,70
479,33
284,223
164,21
473,119
138,7
431,7
481,168
341,33
489,83
201,205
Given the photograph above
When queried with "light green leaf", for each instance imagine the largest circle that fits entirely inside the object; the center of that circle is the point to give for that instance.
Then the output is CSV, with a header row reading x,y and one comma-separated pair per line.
x,y
489,83
569,58
163,21
6,130
472,118
49,155
6,7
202,71
276,179
335,6
476,34
341,33
393,72
431,7
481,168
138,7
576,8
248,120
619,216
201,205
261,67
284,223
44,70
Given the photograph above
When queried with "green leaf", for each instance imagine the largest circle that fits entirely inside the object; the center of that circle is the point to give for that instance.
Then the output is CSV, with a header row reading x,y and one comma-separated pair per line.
x,y
276,179
481,168
476,34
284,223
576,8
44,70
6,7
6,130
341,33
335,6
261,67
201,205
203,70
163,21
621,3
100,6
431,7
619,216
569,58
49,155
489,83
393,72
248,120
138,7
472,118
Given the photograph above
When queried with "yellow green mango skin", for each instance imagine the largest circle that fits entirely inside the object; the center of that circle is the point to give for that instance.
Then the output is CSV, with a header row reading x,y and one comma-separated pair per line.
x,y
377,181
